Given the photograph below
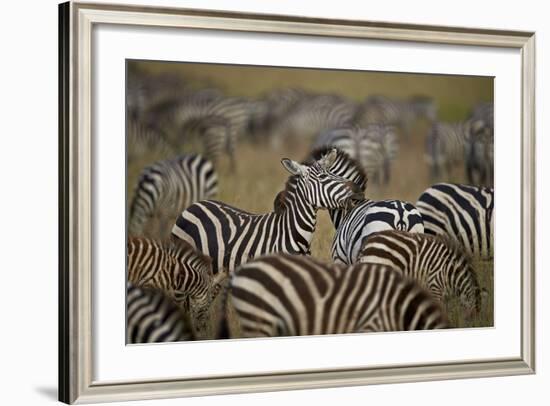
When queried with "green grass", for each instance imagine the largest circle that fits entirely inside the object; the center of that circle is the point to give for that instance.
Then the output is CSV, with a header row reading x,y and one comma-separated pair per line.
x,y
259,175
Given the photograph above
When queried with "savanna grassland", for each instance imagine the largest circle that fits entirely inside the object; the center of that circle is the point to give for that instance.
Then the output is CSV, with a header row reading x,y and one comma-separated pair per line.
x,y
259,175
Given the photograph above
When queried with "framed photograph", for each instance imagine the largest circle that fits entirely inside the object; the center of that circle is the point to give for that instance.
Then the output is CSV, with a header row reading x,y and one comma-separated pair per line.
x,y
263,202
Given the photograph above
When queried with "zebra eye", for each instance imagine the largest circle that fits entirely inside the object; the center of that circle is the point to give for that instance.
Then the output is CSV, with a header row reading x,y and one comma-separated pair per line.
x,y
323,176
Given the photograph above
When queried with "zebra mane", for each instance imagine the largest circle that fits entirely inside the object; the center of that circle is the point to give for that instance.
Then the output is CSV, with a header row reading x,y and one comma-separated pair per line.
x,y
280,202
351,165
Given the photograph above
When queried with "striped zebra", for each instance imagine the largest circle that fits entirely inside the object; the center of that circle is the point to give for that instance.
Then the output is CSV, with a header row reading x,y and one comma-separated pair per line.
x,y
368,217
437,263
151,317
480,149
446,146
378,109
311,116
170,185
374,147
231,236
142,140
463,212
183,274
292,295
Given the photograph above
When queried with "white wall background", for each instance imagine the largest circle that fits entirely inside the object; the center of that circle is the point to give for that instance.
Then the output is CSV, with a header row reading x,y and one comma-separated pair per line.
x,y
28,167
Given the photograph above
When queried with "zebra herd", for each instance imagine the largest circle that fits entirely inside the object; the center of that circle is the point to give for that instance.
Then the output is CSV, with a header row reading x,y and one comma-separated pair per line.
x,y
223,272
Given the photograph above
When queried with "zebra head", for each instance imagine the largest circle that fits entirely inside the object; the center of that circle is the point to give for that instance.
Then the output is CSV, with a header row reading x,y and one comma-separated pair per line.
x,y
321,187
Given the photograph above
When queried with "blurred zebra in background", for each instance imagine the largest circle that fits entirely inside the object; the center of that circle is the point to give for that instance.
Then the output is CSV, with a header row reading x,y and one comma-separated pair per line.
x,y
374,147
369,217
462,212
289,295
378,109
141,140
311,116
480,149
437,263
151,317
183,274
446,146
231,236
170,186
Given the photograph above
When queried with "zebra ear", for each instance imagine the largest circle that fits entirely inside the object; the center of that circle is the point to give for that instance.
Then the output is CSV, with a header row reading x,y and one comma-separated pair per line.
x,y
293,167
327,161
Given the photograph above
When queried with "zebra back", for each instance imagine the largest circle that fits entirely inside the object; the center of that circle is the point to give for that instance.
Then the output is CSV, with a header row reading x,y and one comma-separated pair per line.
x,y
171,185
152,317
288,295
463,212
437,263
369,217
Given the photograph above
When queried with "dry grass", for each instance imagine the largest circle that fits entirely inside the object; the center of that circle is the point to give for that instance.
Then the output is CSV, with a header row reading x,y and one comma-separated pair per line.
x,y
259,175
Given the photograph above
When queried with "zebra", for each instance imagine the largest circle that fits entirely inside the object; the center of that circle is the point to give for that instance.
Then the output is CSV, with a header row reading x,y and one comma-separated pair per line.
x,y
311,116
436,262
151,317
346,167
378,109
141,140
463,212
291,295
446,146
480,149
374,146
183,274
231,236
368,217
171,185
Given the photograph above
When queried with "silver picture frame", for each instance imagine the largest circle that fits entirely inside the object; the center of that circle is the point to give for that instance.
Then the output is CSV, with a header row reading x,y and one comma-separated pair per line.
x,y
76,22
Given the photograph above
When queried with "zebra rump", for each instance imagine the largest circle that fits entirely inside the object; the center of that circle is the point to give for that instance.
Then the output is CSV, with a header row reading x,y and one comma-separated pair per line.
x,y
368,217
151,317
436,262
462,212
290,295
171,185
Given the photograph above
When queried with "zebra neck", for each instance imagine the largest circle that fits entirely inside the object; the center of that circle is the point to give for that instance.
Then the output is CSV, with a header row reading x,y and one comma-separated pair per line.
x,y
298,217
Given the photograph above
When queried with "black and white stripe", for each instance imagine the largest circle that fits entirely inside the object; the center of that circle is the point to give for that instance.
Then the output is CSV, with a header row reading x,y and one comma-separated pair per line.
x,y
142,140
463,212
182,273
368,217
437,263
231,236
291,295
171,185
374,146
152,317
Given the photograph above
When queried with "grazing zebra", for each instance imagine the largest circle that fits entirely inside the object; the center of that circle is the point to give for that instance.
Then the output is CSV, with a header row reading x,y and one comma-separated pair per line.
x,y
368,217
171,185
463,212
437,263
182,273
231,236
141,140
311,116
374,147
151,317
379,109
290,295
446,146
